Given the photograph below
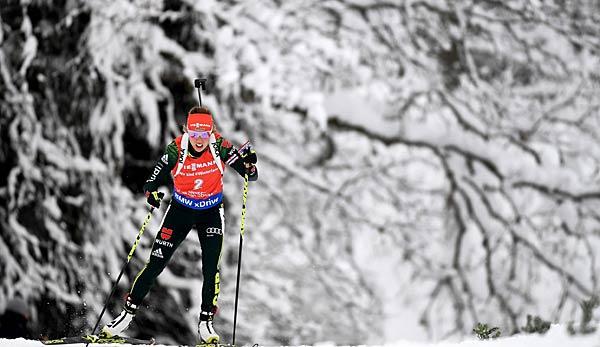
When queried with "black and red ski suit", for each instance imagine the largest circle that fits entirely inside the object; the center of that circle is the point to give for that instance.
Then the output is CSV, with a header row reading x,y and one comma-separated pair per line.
x,y
196,202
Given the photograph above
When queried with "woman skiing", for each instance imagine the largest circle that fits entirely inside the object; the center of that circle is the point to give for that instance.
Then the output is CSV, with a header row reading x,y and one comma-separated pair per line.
x,y
195,161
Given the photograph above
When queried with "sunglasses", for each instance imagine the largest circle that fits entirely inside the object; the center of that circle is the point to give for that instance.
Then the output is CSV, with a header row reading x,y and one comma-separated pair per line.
x,y
197,134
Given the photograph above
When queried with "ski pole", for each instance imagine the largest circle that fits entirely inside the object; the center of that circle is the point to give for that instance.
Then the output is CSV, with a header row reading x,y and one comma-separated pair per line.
x,y
114,288
242,227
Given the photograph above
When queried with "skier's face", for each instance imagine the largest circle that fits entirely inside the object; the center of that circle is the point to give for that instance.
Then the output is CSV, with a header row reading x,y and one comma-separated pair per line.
x,y
199,140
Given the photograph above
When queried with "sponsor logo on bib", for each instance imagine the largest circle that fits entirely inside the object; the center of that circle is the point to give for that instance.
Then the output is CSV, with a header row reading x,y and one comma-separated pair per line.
x,y
198,204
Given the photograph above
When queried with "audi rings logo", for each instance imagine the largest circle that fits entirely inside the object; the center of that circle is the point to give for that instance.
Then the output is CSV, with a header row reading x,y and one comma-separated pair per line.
x,y
214,231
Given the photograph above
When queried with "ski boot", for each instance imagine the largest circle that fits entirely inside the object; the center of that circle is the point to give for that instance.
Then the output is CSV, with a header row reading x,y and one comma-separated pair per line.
x,y
205,328
120,323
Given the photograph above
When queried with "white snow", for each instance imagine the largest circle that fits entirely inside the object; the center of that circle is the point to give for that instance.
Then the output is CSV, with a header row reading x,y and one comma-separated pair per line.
x,y
557,336
357,107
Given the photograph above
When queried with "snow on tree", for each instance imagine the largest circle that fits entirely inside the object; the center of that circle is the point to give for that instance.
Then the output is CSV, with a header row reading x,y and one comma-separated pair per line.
x,y
438,156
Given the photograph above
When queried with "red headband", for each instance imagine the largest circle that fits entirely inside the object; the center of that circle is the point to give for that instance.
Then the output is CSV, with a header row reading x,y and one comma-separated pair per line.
x,y
199,122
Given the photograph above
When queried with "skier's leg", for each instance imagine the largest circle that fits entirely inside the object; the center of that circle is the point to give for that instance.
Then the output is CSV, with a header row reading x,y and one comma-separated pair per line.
x,y
175,226
210,233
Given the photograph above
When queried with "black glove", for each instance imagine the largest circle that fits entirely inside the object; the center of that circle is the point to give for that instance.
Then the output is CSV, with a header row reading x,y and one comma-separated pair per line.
x,y
154,198
252,172
248,153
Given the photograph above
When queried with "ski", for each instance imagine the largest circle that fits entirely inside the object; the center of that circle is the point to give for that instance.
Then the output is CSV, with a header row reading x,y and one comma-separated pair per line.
x,y
98,340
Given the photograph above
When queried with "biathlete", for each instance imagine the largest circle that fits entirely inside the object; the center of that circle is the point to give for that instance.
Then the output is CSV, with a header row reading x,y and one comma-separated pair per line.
x,y
195,161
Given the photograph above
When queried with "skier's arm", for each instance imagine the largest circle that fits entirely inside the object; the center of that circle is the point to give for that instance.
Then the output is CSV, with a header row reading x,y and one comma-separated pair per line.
x,y
162,169
232,157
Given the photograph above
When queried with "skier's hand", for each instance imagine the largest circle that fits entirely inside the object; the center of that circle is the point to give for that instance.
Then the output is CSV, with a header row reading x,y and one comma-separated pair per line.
x,y
154,198
252,172
248,153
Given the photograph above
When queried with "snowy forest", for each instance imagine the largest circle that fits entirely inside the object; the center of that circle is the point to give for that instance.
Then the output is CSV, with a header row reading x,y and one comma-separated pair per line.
x,y
424,165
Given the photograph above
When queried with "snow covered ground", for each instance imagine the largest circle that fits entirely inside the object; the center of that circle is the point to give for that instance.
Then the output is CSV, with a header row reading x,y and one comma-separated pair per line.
x,y
556,337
